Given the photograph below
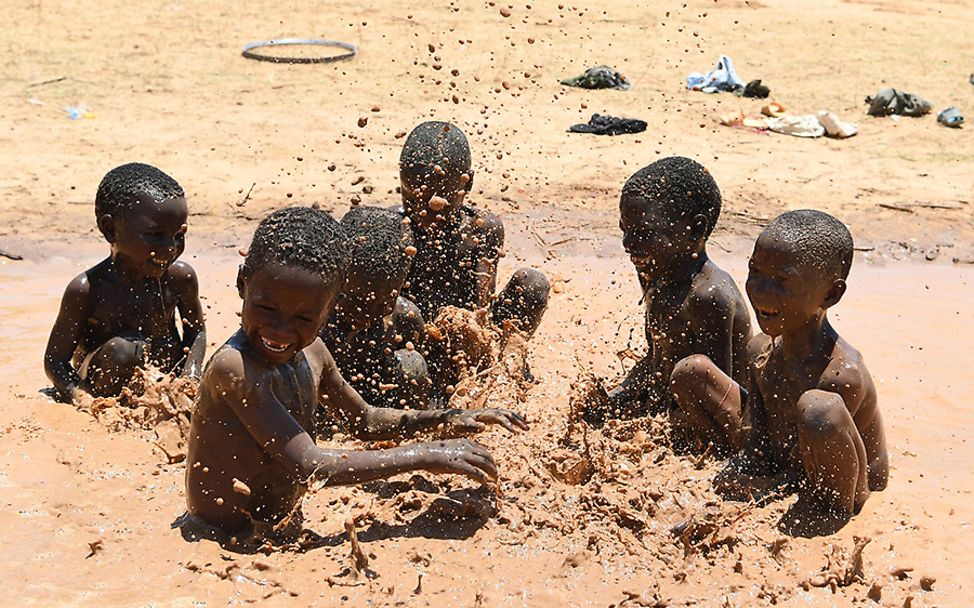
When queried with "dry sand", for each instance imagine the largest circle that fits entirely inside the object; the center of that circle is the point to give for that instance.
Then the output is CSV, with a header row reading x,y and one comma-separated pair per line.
x,y
88,512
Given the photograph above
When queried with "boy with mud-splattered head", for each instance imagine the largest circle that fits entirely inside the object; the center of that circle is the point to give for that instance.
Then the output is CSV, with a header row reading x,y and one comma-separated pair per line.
x,y
457,246
374,333
693,308
252,450
120,315
813,412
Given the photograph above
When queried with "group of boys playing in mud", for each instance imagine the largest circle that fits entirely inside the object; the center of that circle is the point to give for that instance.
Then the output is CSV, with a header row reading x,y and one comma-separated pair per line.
x,y
333,323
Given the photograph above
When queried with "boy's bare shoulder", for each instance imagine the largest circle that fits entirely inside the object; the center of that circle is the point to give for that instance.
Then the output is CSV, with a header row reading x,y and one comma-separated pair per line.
x,y
227,369
182,274
88,282
319,358
80,288
715,292
483,223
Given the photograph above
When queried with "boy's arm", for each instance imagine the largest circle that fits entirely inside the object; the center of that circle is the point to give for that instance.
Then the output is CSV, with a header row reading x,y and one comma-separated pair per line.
x,y
376,423
755,417
65,336
191,314
491,235
715,313
633,388
741,335
283,438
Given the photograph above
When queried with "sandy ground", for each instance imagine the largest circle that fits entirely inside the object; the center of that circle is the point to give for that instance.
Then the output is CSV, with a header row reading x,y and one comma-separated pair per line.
x,y
167,86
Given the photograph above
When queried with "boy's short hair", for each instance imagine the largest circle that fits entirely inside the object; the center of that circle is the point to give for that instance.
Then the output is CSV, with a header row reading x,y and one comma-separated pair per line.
x,y
817,240
435,143
377,241
124,184
678,184
300,237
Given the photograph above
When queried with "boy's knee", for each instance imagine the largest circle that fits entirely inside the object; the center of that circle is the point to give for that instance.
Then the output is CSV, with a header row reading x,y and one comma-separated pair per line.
x,y
120,353
411,367
821,415
530,286
523,300
691,371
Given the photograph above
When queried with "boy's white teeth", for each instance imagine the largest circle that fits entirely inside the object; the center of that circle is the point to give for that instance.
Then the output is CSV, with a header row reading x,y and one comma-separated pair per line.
x,y
767,313
277,347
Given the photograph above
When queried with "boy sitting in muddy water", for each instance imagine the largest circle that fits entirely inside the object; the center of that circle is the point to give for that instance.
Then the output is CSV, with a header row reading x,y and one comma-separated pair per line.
x,y
120,315
375,334
457,246
252,450
813,412
693,308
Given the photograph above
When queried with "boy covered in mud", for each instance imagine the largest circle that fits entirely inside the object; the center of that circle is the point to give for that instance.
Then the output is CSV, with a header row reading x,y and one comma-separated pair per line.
x,y
374,334
458,246
120,315
693,308
252,451
812,403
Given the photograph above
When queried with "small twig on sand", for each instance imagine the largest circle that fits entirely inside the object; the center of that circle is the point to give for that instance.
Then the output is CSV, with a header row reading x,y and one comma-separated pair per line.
x,y
936,206
11,256
246,197
48,81
896,207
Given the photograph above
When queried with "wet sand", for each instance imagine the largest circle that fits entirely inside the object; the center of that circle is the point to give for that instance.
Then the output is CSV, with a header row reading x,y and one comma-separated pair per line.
x,y
68,482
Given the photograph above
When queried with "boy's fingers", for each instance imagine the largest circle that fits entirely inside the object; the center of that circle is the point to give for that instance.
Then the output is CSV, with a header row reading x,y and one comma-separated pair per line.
x,y
478,450
521,421
474,473
477,473
486,465
503,421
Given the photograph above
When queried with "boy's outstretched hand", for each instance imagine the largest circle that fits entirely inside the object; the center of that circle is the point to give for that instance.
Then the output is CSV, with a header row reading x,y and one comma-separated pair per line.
x,y
468,422
460,456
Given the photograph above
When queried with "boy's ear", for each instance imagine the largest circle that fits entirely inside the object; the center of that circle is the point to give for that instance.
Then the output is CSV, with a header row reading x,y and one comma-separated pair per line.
x,y
699,226
106,224
835,293
469,185
241,279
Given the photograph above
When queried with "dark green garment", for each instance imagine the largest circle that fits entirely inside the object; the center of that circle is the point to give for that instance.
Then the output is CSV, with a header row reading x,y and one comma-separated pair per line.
x,y
601,77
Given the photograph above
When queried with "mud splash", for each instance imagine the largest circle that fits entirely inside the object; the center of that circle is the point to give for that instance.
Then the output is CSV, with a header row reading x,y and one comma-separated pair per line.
x,y
156,403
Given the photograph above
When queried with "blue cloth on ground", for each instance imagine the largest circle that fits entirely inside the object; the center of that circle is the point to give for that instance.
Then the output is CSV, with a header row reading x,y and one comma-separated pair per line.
x,y
721,78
